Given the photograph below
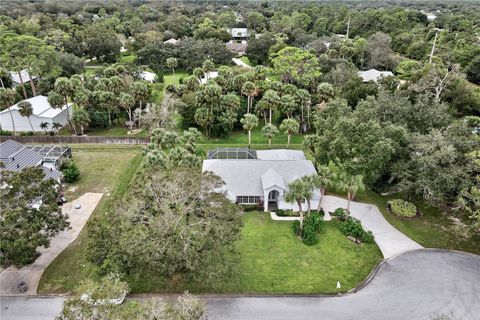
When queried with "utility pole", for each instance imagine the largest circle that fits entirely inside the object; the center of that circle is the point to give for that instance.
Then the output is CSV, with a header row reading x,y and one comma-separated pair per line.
x,y
433,46
348,27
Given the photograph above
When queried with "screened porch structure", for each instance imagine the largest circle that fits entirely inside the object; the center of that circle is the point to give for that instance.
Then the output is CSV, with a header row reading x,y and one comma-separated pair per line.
x,y
53,155
232,154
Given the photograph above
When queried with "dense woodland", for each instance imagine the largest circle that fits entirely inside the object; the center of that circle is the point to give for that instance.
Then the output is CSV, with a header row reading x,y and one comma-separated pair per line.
x,y
415,134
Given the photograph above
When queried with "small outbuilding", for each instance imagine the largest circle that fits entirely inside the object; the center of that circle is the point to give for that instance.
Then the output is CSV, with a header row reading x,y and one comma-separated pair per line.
x,y
374,75
171,41
148,76
42,112
25,77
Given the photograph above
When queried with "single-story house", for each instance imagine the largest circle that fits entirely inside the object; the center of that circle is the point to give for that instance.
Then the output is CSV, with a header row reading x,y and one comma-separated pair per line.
x,y
208,76
239,33
42,112
239,48
15,76
171,41
260,177
16,156
374,75
148,76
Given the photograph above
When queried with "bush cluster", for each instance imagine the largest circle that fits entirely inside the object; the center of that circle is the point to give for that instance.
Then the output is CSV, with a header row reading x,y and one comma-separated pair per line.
x,y
312,225
340,213
402,208
5,133
353,227
70,171
286,213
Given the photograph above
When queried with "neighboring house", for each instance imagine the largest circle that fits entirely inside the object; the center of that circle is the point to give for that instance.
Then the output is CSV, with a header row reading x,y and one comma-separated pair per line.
x,y
239,48
171,41
25,77
42,112
260,177
208,76
148,76
16,156
374,75
239,33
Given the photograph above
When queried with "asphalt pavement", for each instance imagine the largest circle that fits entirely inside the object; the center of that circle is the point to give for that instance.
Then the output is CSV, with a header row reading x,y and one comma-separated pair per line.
x,y
415,285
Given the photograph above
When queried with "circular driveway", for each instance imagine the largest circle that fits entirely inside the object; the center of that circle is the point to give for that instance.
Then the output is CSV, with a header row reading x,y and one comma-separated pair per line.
x,y
415,286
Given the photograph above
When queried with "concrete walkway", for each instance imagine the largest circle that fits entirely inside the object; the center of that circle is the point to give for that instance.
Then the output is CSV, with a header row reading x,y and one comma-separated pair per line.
x,y
390,241
240,63
31,274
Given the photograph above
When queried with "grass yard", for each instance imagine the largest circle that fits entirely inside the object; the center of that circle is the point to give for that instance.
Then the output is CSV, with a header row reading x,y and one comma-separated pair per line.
x,y
273,260
98,174
127,58
246,60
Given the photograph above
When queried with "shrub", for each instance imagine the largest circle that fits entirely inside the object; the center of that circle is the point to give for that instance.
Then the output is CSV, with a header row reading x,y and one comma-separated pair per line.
x,y
70,171
26,133
340,213
5,133
310,235
296,227
353,227
286,213
252,207
402,208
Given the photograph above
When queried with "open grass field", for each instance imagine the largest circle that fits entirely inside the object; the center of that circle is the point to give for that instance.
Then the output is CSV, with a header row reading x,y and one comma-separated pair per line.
x,y
272,260
107,169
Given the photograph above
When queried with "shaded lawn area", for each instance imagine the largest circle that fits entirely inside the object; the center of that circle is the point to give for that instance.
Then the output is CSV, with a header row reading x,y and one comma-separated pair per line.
x,y
432,229
168,78
103,168
273,260
127,58
246,60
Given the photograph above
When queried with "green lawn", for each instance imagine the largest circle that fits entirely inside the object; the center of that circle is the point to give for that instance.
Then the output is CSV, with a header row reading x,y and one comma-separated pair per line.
x,y
97,175
127,58
273,260
246,60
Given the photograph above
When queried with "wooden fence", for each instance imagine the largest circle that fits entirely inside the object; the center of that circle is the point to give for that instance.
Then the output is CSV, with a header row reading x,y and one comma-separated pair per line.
x,y
76,139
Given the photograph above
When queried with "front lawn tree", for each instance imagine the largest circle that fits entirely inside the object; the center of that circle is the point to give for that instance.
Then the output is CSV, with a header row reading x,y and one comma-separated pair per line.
x,y
269,131
30,215
127,102
322,180
249,122
172,63
349,183
298,191
289,126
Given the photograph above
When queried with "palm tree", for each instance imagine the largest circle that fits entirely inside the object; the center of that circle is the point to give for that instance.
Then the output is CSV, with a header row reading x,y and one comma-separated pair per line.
x,y
298,191
322,180
269,131
56,126
44,126
172,63
139,91
304,98
81,118
25,109
3,74
127,102
63,86
208,66
289,126
249,121
288,105
348,183
325,92
272,101
7,99
250,90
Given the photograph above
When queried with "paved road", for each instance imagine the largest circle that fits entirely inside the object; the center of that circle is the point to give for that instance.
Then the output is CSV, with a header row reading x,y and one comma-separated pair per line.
x,y
31,274
240,63
412,286
390,241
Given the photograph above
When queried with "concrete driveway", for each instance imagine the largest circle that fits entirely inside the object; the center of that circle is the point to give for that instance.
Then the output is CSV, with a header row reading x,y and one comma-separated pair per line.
x,y
390,241
31,274
413,286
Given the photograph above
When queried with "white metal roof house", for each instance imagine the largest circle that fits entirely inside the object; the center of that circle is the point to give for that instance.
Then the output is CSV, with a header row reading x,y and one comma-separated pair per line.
x,y
42,112
171,41
208,76
148,76
256,177
374,75
16,156
16,77
239,33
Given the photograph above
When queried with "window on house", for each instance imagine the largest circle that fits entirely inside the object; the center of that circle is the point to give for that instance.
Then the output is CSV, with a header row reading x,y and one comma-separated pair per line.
x,y
248,199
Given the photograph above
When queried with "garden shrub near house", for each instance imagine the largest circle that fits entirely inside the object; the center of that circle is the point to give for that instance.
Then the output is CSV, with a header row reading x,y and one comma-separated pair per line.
x,y
340,213
353,227
312,225
402,208
70,171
